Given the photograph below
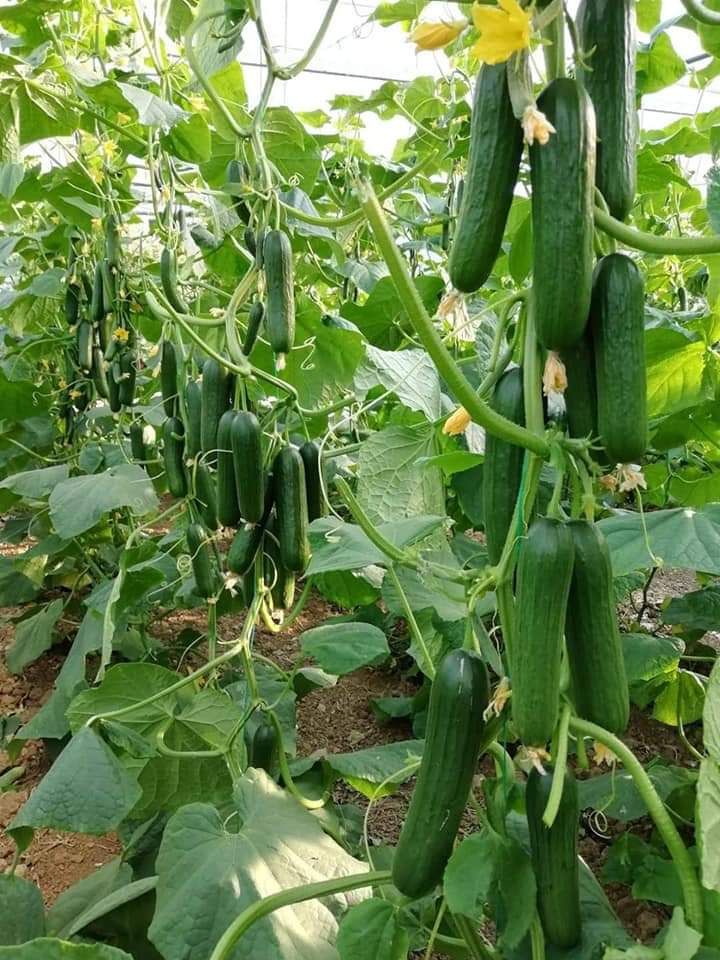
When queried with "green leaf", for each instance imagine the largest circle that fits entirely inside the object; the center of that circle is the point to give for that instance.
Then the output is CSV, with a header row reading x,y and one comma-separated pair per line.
x,y
345,589
190,140
470,873
518,892
211,868
648,14
372,930
675,372
521,250
337,545
409,374
681,941
291,148
615,793
699,610
79,503
398,11
229,84
458,461
48,949
378,771
648,657
22,913
35,484
711,714
87,790
341,648
85,894
681,700
11,176
708,821
152,111
658,65
33,637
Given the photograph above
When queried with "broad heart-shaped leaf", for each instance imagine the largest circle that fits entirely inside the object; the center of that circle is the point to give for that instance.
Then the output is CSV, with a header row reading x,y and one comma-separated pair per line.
x,y
684,538
85,894
470,873
699,610
33,637
337,545
409,374
208,875
378,771
647,657
615,793
708,821
675,372
79,503
711,714
341,648
35,484
682,699
152,111
372,931
87,790
51,949
290,147
22,914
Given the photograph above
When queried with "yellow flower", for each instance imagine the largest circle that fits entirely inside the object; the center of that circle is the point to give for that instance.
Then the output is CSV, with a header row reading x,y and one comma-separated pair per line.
x,y
120,335
109,149
603,755
609,482
536,126
95,175
433,36
554,376
197,102
457,422
499,698
529,757
502,31
96,224
124,119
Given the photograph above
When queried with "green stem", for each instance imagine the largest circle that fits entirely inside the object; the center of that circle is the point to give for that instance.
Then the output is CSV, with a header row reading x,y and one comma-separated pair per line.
x,y
287,73
559,764
692,892
480,412
202,78
554,51
240,294
701,13
477,948
363,521
299,604
285,898
649,243
285,769
412,622
537,939
532,374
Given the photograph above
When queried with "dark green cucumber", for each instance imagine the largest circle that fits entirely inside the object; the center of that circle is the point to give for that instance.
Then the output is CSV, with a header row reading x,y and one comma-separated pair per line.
x,y
168,278
278,578
492,169
580,395
607,36
260,246
193,418
205,497
228,509
202,563
502,469
99,373
563,180
113,381
280,299
453,738
109,287
128,376
168,377
215,390
137,442
244,548
72,303
250,240
112,240
292,510
97,310
617,321
594,647
174,456
236,175
554,858
310,453
84,339
543,583
255,319
246,440
263,746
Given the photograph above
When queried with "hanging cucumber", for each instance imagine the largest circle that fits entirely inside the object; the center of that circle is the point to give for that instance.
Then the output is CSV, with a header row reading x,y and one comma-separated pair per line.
x,y
554,858
205,498
214,403
227,502
250,240
97,311
236,176
310,453
262,746
174,456
562,172
113,382
617,321
580,395
99,373
72,303
543,583
280,300
244,548
137,442
193,418
292,509
168,377
493,164
112,240
458,698
502,469
246,440
202,563
597,666
128,375
607,36
278,578
255,319
84,340
168,278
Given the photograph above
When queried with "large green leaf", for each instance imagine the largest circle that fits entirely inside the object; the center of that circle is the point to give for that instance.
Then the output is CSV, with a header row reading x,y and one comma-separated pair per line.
x,y
409,374
341,648
50,949
22,914
79,503
337,545
373,929
675,372
33,637
36,484
708,821
685,538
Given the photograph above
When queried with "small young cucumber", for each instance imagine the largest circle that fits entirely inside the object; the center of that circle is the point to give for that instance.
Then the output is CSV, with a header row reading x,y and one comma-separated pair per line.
x,y
193,418
174,456
255,319
205,497
580,395
310,453
84,339
168,278
291,509
137,442
72,303
128,376
201,558
246,441
280,300
244,548
99,373
228,509
168,377
215,400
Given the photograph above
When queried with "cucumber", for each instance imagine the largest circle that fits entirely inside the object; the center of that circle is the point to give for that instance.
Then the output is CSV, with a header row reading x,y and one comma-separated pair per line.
x,y
250,240
193,418
259,247
255,319
292,510
607,36
563,179
246,441
594,647
580,395
99,373
174,456
617,321
128,375
109,287
168,278
205,498
84,339
202,564
310,453
113,382
228,509
97,311
276,575
72,303
168,377
496,144
280,298
236,175
543,583
554,858
112,240
137,443
453,738
263,746
244,548
215,394
502,469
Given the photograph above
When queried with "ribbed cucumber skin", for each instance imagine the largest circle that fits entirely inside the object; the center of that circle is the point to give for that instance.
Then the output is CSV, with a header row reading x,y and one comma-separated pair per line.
x,y
562,172
310,453
608,36
543,583
97,312
617,319
72,303
193,418
263,746
174,456
581,395
244,548
215,396
168,278
554,858
205,497
278,578
84,339
128,376
502,469
255,319
99,373
493,164
246,440
169,377
280,299
202,564
597,666
227,502
137,443
291,509
453,737
113,382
